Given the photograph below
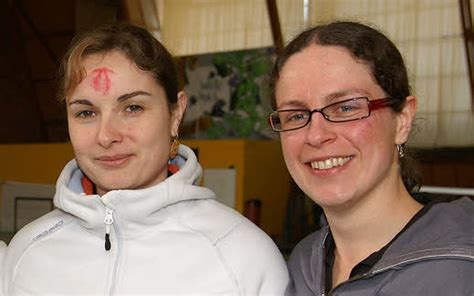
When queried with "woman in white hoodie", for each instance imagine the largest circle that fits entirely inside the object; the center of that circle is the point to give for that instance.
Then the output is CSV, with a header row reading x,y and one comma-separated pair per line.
x,y
130,218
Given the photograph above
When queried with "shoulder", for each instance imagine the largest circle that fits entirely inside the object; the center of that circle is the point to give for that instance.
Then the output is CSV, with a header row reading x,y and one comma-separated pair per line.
x,y
29,236
461,208
3,250
248,253
304,262
34,232
214,220
308,247
41,227
439,277
443,236
445,223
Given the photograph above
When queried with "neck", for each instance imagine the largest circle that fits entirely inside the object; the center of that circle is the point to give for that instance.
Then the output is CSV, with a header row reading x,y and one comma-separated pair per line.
x,y
371,223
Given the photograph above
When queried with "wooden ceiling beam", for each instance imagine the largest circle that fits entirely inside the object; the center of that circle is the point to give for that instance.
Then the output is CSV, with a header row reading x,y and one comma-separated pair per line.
x,y
275,25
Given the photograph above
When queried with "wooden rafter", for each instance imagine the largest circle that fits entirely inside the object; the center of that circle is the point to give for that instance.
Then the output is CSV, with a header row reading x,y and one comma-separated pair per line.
x,y
275,25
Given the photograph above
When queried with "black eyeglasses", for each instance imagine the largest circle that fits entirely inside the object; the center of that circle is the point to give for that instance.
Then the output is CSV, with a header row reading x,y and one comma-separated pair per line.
x,y
343,111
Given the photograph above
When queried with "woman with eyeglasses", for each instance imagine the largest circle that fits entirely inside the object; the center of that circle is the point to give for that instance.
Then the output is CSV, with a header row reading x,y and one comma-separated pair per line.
x,y
131,218
344,112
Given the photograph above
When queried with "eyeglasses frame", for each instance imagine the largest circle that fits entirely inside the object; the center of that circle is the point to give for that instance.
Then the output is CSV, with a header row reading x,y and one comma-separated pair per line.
x,y
372,105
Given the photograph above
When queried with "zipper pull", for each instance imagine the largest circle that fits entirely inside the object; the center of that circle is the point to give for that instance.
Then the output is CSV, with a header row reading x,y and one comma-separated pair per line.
x,y
108,220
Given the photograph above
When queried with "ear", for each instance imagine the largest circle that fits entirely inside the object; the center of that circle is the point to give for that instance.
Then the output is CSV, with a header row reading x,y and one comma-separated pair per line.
x,y
177,112
405,120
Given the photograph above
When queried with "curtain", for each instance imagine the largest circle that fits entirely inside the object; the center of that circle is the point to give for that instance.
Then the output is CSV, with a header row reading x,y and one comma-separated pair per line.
x,y
429,36
427,32
190,27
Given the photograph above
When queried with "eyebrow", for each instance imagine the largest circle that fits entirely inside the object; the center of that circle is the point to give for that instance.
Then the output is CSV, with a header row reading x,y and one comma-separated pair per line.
x,y
80,102
295,103
353,92
120,99
328,98
125,97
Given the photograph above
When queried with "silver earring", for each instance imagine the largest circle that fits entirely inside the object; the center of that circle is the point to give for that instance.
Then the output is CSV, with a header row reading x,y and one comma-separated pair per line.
x,y
401,153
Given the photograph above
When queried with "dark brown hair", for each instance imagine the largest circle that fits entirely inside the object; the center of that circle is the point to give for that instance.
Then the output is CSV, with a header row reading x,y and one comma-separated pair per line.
x,y
135,43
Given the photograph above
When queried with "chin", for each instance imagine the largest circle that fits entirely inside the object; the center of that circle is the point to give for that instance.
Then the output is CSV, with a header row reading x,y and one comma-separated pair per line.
x,y
329,198
111,181
111,186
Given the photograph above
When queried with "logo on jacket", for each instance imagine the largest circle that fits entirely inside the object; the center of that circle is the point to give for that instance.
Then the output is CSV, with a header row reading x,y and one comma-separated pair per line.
x,y
49,231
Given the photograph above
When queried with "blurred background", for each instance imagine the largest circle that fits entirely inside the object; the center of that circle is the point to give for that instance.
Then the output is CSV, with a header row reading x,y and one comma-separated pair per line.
x,y
224,50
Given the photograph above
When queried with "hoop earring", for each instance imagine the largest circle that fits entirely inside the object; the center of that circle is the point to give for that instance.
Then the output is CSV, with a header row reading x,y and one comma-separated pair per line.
x,y
174,147
401,152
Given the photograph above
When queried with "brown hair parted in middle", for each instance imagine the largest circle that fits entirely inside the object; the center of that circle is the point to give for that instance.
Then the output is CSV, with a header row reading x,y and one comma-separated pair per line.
x,y
136,43
365,44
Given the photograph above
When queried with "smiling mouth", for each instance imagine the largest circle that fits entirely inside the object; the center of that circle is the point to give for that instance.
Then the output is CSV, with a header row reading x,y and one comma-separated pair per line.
x,y
330,163
113,161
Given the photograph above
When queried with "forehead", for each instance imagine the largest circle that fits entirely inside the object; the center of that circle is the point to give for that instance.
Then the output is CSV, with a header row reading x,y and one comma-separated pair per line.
x,y
110,60
114,71
319,71
112,75
100,64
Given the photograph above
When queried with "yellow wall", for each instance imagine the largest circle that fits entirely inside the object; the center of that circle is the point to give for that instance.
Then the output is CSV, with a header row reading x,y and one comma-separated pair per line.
x,y
33,163
259,165
267,179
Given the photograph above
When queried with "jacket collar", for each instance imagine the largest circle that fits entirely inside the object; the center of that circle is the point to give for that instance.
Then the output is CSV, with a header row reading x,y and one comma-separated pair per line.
x,y
133,209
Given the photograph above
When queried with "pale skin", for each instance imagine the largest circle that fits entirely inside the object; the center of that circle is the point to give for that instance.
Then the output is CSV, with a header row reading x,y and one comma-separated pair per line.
x,y
120,124
364,199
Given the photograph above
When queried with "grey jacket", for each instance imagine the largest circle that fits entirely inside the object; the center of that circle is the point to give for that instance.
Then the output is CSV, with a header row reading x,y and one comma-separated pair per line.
x,y
434,256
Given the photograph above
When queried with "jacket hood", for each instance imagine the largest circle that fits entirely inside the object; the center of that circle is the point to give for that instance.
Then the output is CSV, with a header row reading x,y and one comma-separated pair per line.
x,y
132,208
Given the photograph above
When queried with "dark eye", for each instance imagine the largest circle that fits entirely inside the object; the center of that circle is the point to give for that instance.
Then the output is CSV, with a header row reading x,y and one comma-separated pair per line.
x,y
347,108
133,108
296,117
85,114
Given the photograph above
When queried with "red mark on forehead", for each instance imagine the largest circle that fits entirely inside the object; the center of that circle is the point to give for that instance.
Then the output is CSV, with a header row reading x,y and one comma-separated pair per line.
x,y
101,80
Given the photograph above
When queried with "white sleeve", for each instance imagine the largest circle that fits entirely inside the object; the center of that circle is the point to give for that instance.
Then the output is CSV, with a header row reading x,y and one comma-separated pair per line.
x,y
3,251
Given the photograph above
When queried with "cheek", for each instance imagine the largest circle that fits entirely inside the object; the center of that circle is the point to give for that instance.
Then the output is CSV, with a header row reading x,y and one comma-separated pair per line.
x,y
291,146
80,138
374,136
157,140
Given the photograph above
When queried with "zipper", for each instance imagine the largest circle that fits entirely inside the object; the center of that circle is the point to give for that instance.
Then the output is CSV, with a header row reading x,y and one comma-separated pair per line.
x,y
108,220
323,277
109,224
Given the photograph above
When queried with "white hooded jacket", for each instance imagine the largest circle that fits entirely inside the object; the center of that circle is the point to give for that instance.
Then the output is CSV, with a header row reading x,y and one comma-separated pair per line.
x,y
171,238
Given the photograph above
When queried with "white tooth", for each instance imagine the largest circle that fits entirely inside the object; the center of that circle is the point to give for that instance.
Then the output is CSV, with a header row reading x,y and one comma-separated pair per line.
x,y
340,160
328,163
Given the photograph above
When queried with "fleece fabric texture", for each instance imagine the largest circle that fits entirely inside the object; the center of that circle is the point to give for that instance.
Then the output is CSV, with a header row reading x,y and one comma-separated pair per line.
x,y
168,239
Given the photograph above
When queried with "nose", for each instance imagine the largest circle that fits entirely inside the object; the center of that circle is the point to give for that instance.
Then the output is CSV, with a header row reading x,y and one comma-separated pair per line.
x,y
319,130
109,132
